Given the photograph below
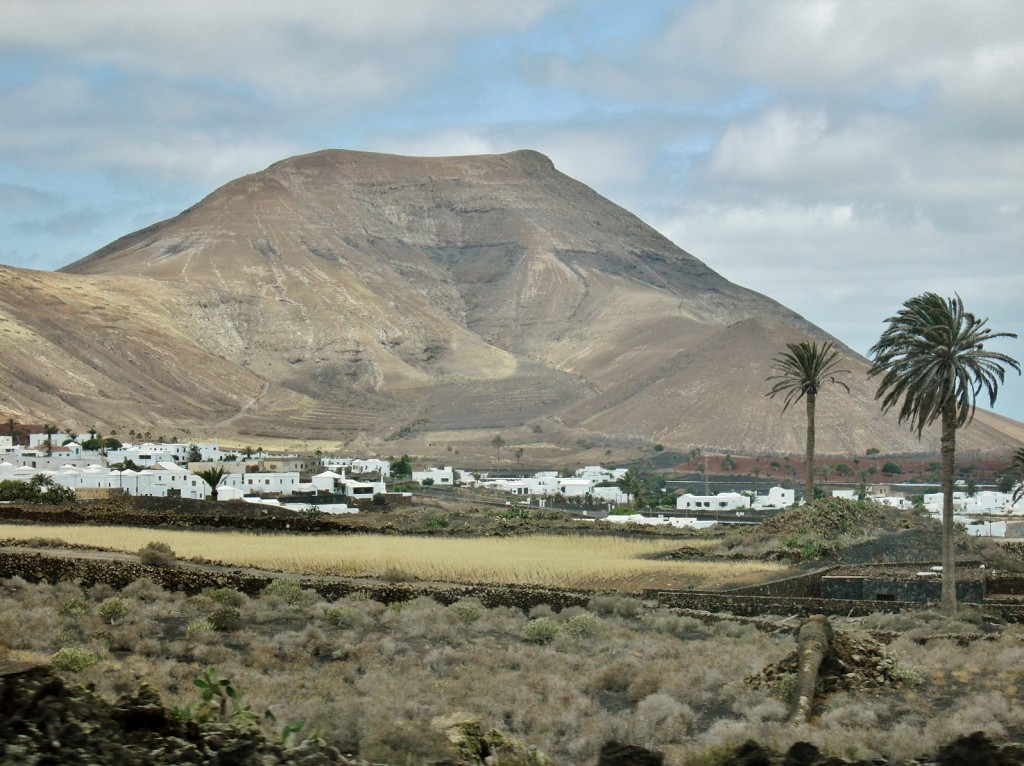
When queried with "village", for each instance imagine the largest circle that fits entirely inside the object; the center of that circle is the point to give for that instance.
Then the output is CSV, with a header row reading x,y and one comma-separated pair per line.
x,y
335,484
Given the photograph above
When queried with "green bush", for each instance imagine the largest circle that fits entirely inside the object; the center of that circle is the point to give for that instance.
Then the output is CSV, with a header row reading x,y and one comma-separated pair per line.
x,y
225,619
157,555
467,611
227,596
339,617
74,606
198,626
73,659
540,631
441,521
113,609
581,625
290,591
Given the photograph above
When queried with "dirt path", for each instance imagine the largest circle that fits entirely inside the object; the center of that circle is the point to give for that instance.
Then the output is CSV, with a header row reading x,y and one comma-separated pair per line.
x,y
245,407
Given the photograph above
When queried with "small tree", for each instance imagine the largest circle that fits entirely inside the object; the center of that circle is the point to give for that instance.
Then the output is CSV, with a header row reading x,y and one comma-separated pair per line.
x,y
633,483
801,372
195,455
213,477
1017,470
497,442
49,429
401,468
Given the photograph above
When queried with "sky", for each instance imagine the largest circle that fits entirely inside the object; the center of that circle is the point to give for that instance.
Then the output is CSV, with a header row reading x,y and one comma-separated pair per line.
x,y
838,156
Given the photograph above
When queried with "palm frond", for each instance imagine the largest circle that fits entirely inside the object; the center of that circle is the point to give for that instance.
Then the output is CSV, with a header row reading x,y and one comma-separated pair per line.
x,y
804,369
932,354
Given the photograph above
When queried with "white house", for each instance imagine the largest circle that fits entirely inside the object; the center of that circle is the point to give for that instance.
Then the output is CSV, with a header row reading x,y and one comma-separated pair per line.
x,y
984,501
327,481
149,454
777,497
38,441
674,521
263,483
724,501
600,473
369,465
445,475
363,489
610,495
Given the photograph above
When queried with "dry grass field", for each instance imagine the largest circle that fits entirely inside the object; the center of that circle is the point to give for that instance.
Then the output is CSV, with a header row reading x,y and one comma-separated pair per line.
x,y
570,561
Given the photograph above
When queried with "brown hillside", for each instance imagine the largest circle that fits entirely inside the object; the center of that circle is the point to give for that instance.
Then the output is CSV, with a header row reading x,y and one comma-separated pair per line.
x,y
346,296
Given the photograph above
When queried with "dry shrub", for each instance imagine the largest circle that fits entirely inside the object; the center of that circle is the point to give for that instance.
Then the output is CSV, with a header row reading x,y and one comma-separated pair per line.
x,y
158,555
659,718
405,742
73,659
290,592
468,610
144,589
622,606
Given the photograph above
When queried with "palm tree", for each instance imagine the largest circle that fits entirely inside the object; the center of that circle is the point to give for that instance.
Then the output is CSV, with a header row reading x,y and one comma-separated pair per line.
x,y
633,484
802,372
213,477
1017,468
933,365
49,429
497,442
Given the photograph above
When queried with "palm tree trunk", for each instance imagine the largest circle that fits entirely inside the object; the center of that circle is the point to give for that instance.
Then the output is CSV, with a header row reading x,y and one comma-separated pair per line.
x,y
812,645
948,446
809,454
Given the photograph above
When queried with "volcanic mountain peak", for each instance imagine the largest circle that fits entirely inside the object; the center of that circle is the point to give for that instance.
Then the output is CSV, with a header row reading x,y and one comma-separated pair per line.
x,y
354,295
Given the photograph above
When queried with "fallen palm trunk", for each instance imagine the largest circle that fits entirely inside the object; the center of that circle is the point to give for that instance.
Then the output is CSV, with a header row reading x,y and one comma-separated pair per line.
x,y
812,644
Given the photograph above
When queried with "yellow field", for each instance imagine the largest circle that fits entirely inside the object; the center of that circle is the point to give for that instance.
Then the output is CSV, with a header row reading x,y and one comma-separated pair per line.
x,y
556,560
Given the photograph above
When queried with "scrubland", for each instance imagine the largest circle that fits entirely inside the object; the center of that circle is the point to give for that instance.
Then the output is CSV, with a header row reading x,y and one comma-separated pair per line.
x,y
369,678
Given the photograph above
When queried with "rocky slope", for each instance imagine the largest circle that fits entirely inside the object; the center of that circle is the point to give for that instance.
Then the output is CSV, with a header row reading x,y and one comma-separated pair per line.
x,y
352,296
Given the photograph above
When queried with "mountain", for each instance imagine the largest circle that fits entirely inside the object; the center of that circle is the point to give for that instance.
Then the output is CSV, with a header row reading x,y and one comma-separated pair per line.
x,y
398,303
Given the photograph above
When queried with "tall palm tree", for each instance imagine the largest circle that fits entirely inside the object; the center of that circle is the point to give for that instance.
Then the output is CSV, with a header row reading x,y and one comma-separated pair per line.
x,y
801,372
933,365
1017,468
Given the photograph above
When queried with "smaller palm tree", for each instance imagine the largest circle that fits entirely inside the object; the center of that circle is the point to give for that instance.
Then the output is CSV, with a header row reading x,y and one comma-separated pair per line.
x,y
213,477
801,372
498,442
1017,468
634,484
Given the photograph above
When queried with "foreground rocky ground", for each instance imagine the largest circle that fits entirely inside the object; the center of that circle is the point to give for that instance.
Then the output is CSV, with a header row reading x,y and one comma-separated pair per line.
x,y
44,720
387,680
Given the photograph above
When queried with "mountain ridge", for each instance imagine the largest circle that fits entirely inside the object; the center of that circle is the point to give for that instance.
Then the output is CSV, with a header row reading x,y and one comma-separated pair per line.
x,y
345,296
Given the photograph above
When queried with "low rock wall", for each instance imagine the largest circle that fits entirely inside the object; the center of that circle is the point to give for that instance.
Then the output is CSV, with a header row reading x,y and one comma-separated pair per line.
x,y
806,585
804,607
36,567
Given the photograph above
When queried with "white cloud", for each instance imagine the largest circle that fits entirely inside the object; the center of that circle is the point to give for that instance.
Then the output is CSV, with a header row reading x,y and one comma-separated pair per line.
x,y
292,51
838,156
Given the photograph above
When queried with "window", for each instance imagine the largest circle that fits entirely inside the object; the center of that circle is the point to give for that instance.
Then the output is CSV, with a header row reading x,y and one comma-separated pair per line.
x,y
885,597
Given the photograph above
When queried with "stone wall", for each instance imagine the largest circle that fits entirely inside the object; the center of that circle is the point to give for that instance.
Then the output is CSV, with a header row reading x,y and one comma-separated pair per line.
x,y
885,589
806,585
753,606
36,567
